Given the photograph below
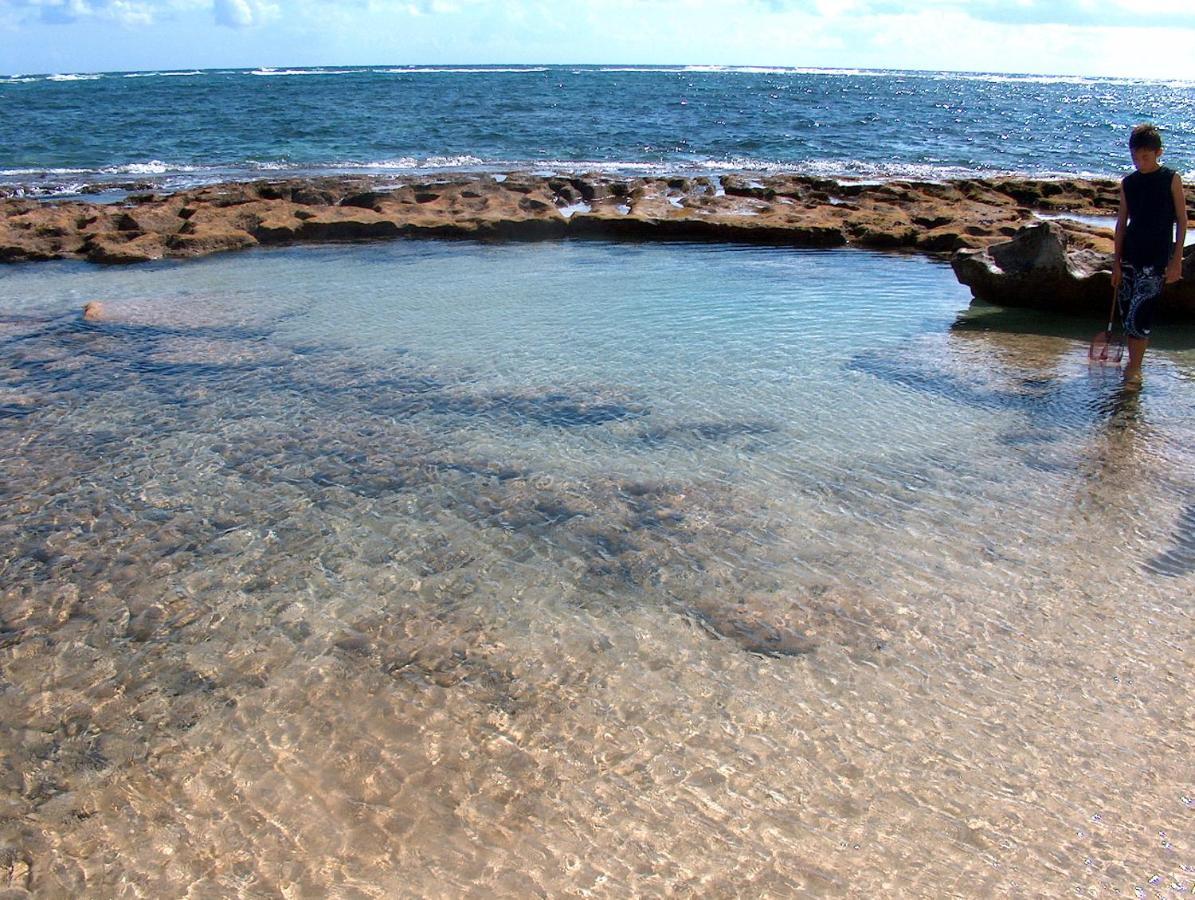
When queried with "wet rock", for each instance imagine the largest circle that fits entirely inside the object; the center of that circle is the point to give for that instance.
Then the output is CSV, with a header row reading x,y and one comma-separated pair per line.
x,y
1036,268
204,241
142,626
113,249
346,224
791,209
16,870
706,432
152,215
773,623
365,200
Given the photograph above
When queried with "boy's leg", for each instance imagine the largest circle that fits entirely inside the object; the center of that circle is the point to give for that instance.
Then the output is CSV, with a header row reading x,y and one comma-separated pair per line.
x,y
1139,291
1137,348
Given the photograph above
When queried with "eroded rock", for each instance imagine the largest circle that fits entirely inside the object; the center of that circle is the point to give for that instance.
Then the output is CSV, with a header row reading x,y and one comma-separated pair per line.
x,y
1058,264
1043,266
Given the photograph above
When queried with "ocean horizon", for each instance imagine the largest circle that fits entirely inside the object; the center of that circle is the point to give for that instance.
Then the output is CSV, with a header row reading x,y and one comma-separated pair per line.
x,y
72,133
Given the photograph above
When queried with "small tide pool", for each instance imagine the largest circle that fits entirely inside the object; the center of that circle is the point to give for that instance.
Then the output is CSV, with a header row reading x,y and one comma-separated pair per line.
x,y
475,569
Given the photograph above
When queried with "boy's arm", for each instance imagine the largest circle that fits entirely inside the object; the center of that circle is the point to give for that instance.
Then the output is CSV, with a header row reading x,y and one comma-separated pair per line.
x,y
1122,220
1174,271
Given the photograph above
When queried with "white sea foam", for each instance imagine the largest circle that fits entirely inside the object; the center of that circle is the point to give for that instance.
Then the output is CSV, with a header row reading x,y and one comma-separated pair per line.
x,y
62,181
785,70
265,70
56,189
12,173
162,74
836,169
400,164
461,70
673,69
450,162
152,167
1108,222
1003,78
74,77
267,166
995,77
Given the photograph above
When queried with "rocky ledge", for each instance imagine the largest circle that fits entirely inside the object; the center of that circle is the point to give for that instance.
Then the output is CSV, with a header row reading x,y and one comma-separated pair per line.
x,y
1041,267
1010,239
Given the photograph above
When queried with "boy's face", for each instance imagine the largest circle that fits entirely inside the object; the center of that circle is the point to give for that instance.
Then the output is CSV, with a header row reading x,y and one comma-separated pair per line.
x,y
1146,159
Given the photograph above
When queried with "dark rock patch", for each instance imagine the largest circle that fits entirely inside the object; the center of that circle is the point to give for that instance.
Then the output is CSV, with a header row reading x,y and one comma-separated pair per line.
x,y
1179,559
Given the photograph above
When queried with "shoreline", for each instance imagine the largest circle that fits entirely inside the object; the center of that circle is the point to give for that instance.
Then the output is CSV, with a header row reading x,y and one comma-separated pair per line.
x,y
954,220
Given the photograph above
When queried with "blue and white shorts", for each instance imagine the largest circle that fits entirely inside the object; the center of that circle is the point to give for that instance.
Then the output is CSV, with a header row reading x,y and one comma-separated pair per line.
x,y
1137,298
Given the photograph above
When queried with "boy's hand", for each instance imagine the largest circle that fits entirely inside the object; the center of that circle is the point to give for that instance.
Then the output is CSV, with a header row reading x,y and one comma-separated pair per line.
x,y
1174,271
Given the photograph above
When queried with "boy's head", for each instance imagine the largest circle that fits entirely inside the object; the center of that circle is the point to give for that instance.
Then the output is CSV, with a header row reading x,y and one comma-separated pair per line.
x,y
1145,144
1145,136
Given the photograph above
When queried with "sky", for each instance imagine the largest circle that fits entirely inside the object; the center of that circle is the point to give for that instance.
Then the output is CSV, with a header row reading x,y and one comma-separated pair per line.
x,y
1154,39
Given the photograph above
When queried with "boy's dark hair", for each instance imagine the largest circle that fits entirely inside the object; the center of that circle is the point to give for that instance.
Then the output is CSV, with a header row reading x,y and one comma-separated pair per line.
x,y
1145,136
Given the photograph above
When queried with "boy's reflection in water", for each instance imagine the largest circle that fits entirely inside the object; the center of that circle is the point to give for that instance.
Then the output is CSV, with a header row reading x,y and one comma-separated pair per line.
x,y
1120,458
1117,450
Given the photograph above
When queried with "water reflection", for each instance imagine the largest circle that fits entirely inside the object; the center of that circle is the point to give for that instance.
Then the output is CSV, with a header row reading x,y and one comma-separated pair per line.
x,y
1120,451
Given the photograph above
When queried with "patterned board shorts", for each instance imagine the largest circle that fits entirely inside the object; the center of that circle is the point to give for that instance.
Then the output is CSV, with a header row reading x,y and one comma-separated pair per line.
x,y
1138,295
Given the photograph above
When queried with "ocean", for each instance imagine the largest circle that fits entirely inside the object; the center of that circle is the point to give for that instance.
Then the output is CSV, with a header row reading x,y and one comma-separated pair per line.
x,y
427,568
69,132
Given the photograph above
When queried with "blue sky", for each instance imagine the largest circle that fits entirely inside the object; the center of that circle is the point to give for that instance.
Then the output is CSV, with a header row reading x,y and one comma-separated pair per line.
x,y
1080,37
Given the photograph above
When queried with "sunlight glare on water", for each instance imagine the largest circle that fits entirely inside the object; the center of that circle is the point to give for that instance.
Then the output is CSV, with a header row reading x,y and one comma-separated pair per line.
x,y
427,569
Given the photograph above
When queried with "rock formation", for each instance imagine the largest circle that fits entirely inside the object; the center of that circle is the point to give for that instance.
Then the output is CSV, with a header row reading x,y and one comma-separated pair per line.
x,y
1055,265
1039,268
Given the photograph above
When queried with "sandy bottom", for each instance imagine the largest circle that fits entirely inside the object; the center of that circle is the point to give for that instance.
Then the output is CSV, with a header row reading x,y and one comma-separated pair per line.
x,y
285,617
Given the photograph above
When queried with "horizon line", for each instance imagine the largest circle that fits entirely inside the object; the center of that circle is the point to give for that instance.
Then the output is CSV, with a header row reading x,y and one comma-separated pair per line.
x,y
531,66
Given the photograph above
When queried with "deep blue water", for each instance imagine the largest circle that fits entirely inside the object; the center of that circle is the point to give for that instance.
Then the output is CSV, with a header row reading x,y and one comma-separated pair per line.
x,y
65,131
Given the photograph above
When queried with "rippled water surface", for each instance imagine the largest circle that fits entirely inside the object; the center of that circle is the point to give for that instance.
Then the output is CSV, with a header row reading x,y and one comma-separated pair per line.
x,y
563,569
66,134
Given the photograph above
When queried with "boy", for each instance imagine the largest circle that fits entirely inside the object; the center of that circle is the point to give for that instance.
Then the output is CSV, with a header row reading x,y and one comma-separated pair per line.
x,y
1148,254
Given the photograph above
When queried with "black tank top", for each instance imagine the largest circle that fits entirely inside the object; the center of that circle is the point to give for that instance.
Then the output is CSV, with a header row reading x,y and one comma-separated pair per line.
x,y
1149,238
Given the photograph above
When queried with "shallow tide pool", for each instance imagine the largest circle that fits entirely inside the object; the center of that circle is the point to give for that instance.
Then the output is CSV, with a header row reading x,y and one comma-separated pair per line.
x,y
453,569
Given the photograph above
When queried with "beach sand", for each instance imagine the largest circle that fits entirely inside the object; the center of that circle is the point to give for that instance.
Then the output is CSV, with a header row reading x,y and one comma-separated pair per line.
x,y
287,611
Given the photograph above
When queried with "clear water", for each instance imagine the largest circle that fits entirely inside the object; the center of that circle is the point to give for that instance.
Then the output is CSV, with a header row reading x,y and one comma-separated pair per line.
x,y
428,569
63,134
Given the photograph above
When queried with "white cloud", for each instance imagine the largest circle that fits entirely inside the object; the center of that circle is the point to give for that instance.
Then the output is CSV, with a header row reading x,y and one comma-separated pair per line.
x,y
233,13
65,12
1055,37
243,13
61,12
1079,13
131,13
